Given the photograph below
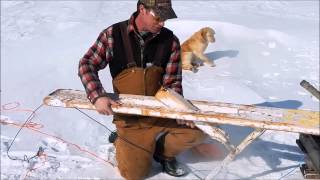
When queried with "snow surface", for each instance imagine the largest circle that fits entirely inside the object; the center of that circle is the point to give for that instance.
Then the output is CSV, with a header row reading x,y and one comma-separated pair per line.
x,y
263,50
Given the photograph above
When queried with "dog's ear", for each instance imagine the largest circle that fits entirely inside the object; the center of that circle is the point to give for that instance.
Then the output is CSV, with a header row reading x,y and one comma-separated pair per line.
x,y
204,32
209,34
207,31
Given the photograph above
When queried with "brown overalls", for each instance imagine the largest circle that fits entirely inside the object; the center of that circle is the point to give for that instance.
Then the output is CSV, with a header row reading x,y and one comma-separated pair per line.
x,y
134,162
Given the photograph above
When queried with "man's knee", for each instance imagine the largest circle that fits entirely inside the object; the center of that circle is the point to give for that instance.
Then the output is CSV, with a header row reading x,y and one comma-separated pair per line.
x,y
186,137
133,162
194,136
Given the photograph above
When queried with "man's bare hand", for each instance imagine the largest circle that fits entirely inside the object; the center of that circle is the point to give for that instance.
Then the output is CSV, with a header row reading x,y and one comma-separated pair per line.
x,y
187,123
103,105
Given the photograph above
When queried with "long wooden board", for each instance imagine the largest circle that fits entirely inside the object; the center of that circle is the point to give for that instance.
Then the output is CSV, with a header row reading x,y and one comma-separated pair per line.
x,y
290,120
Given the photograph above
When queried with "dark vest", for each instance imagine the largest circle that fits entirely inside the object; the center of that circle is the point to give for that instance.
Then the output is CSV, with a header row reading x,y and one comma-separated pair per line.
x,y
119,61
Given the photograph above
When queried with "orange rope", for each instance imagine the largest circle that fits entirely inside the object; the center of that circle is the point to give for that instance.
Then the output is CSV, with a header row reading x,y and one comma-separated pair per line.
x,y
35,127
30,127
8,106
13,107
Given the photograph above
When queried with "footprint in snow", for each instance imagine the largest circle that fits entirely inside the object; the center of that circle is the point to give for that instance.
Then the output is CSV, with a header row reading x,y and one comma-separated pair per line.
x,y
302,93
55,145
225,74
272,45
273,98
247,81
287,84
265,53
276,74
267,75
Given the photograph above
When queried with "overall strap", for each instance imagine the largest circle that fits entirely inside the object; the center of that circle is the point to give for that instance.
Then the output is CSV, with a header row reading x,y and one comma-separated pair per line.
x,y
159,54
165,42
127,45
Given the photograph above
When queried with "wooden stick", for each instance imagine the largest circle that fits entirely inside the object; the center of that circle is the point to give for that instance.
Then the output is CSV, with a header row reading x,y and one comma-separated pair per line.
x,y
310,88
244,143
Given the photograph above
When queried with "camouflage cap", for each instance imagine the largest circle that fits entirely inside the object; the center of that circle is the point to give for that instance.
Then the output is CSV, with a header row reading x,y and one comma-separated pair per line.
x,y
162,8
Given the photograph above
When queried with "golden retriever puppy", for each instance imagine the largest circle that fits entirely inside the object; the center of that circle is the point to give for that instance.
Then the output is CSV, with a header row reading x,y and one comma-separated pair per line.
x,y
195,46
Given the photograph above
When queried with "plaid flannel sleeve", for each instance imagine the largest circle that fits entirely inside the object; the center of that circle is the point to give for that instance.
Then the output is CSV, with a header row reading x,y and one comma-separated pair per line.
x,y
173,73
97,57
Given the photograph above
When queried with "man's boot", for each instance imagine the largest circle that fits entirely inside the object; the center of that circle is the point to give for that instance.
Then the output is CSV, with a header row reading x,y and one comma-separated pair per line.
x,y
113,136
169,165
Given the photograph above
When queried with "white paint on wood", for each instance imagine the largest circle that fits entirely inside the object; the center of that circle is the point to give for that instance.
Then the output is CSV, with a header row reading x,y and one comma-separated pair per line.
x,y
290,120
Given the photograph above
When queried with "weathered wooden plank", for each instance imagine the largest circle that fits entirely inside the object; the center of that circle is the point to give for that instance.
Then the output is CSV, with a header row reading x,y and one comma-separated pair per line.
x,y
290,120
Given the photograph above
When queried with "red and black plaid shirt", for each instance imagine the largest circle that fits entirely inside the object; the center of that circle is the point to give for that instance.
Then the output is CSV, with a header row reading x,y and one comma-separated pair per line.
x,y
101,53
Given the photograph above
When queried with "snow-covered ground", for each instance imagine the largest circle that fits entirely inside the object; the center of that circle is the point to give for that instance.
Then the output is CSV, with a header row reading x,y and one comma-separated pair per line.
x,y
263,50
